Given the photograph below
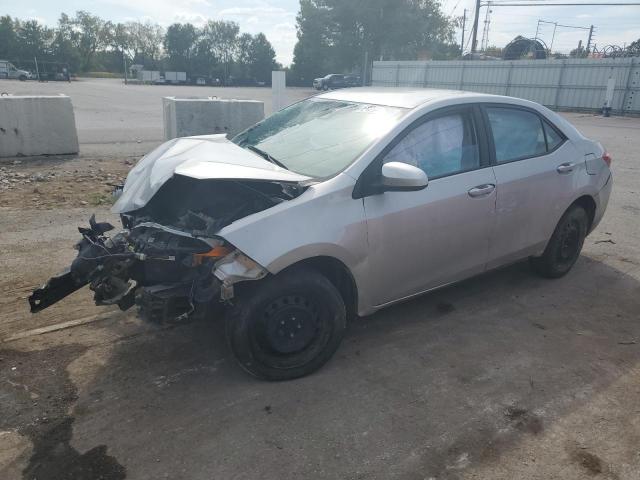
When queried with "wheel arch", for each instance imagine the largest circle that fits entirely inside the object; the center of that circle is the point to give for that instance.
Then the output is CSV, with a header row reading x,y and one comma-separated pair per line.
x,y
338,274
588,203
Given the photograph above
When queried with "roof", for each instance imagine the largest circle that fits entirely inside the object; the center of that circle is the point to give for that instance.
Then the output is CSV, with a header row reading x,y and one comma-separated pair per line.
x,y
395,97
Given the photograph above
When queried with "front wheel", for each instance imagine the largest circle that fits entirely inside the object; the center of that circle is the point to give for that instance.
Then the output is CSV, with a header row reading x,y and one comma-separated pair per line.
x,y
564,246
286,326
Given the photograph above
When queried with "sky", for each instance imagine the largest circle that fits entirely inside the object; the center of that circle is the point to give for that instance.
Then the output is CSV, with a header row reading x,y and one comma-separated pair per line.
x,y
277,18
613,24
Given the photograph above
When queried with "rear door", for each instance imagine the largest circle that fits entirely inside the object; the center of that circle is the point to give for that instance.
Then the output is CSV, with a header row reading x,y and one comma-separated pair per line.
x,y
535,168
424,239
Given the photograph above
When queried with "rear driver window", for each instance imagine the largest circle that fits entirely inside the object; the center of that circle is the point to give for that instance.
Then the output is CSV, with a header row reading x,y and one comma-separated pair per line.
x,y
516,134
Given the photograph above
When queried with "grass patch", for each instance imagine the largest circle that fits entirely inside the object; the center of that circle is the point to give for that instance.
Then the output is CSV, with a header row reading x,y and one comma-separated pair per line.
x,y
100,75
96,199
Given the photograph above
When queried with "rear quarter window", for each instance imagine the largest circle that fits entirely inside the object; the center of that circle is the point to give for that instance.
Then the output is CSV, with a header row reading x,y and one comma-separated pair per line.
x,y
554,138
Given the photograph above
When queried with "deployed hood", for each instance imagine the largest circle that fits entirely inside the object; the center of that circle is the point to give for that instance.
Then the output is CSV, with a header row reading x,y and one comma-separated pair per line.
x,y
206,157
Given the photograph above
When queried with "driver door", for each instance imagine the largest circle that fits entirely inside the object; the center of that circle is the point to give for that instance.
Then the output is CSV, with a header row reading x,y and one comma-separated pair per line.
x,y
420,240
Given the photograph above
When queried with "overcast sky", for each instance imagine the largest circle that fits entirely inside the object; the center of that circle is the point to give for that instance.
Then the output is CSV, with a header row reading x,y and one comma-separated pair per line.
x,y
277,18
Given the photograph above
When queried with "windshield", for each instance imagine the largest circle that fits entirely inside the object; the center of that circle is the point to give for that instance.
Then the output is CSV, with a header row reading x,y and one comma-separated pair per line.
x,y
319,138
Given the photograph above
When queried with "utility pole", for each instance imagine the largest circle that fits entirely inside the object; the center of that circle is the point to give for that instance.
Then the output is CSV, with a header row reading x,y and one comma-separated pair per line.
x,y
35,60
365,68
124,61
484,43
474,40
589,41
464,24
553,37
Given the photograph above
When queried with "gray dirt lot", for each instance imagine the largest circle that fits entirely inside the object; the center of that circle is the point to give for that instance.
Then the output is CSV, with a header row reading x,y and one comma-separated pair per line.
x,y
134,121
505,376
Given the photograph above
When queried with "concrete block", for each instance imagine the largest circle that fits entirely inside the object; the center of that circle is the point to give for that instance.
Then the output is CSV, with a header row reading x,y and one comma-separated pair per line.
x,y
184,117
37,125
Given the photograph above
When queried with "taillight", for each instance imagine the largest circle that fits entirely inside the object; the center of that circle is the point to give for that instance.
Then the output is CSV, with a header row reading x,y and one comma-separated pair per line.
x,y
607,159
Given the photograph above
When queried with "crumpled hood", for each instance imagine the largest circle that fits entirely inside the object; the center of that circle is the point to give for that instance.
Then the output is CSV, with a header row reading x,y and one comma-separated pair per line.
x,y
201,157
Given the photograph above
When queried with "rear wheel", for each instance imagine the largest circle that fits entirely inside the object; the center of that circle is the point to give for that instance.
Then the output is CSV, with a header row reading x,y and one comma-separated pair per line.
x,y
564,246
22,78
286,326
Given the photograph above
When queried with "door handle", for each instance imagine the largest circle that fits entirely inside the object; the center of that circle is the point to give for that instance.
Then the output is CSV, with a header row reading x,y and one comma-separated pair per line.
x,y
565,167
482,190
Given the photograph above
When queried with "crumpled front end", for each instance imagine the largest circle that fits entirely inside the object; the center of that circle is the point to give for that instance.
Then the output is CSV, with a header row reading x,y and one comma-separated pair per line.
x,y
167,273
168,259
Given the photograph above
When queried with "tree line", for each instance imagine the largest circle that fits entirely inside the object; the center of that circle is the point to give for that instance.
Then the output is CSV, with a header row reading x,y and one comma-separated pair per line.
x,y
334,36
88,43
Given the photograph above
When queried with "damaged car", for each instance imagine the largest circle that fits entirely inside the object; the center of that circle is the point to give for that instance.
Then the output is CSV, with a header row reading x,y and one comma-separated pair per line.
x,y
337,206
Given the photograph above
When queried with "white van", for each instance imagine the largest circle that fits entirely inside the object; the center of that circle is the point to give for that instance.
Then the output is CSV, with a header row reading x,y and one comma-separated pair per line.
x,y
8,70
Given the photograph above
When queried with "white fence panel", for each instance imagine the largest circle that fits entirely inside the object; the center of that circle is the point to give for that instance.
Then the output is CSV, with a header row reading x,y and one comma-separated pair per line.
x,y
565,84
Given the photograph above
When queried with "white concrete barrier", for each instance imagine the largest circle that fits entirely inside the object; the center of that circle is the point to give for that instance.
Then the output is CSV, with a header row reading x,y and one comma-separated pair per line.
x,y
184,117
37,125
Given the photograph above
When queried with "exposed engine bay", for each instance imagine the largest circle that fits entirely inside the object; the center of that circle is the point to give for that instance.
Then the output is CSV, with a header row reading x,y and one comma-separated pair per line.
x,y
167,259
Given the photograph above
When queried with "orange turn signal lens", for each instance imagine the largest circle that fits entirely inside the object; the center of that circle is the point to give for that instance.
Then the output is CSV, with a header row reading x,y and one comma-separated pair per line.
x,y
215,252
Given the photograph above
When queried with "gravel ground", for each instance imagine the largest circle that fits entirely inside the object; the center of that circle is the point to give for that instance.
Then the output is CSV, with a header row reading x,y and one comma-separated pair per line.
x,y
503,376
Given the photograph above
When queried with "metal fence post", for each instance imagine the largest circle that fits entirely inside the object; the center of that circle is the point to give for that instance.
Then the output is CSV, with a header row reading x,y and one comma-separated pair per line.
x,y
397,75
508,85
461,87
627,86
425,82
560,79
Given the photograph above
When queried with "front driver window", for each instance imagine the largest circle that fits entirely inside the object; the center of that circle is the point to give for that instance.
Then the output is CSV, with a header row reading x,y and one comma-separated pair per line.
x,y
442,146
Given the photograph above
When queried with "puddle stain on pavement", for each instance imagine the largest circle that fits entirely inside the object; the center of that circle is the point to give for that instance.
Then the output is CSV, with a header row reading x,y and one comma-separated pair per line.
x,y
36,395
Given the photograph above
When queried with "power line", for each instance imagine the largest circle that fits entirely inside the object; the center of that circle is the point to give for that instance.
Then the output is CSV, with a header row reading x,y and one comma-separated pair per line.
x,y
493,3
454,7
529,3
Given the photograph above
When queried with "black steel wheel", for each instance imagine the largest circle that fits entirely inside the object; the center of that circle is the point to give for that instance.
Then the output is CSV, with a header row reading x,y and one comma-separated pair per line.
x,y
565,244
286,326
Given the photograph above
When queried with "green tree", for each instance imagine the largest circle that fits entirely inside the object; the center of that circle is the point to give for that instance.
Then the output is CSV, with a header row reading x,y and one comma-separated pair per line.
x,y
8,38
92,35
312,51
334,35
180,44
65,41
243,56
262,59
34,40
146,43
220,42
119,38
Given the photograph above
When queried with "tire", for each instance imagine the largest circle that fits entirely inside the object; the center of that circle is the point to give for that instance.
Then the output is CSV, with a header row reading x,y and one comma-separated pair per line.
x,y
22,78
286,326
325,87
564,246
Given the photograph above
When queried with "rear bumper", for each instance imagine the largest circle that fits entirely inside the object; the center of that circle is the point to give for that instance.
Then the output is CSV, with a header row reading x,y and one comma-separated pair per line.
x,y
602,201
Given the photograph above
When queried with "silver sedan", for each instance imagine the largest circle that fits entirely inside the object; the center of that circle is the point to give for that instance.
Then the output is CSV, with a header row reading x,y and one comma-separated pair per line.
x,y
340,205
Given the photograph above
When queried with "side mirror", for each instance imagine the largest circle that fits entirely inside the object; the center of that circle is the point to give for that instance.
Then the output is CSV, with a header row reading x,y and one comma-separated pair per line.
x,y
402,177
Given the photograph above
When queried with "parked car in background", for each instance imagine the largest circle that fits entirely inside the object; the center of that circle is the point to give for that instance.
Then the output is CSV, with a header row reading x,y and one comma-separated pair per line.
x,y
8,70
340,205
353,80
330,82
